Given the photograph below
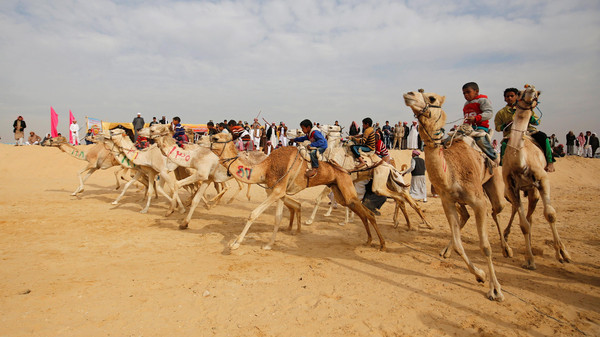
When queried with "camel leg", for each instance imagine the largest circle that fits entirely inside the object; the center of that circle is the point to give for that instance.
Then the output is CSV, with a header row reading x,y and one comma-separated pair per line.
x,y
278,217
247,191
275,195
550,214
195,201
118,174
294,207
514,196
151,178
452,216
495,194
133,180
495,293
240,187
82,180
345,197
320,197
463,215
215,200
510,221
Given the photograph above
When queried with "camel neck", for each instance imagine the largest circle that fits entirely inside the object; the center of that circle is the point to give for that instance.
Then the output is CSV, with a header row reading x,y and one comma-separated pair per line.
x,y
519,127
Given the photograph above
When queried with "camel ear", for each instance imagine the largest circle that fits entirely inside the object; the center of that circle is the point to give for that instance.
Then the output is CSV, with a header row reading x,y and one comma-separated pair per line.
x,y
442,100
539,93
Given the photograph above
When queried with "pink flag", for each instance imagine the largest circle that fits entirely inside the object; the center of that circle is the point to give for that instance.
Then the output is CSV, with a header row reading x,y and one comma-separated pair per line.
x,y
73,134
53,123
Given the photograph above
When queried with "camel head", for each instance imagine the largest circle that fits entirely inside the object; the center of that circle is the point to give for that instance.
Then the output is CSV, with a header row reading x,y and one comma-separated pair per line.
x,y
220,142
427,107
159,130
117,134
528,98
144,132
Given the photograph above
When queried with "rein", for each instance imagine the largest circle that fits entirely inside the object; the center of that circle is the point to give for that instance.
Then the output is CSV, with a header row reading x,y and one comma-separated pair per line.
x,y
286,173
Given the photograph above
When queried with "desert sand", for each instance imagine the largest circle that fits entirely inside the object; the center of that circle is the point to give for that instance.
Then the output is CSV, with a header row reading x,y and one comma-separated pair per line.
x,y
79,266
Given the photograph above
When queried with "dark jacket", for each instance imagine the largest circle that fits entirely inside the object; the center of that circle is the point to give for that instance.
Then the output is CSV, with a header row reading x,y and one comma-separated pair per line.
x,y
23,126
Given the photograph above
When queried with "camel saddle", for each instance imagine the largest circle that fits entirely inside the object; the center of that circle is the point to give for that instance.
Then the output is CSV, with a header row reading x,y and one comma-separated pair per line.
x,y
465,132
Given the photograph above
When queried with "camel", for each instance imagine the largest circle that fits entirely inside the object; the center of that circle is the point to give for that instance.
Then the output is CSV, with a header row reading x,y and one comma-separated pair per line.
x,y
282,174
98,157
156,164
200,158
387,181
461,178
523,170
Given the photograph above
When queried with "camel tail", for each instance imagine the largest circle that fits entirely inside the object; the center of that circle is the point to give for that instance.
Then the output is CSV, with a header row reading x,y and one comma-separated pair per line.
x,y
73,151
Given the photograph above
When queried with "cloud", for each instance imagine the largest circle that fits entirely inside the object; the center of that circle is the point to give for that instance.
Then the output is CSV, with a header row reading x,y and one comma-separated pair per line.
x,y
291,59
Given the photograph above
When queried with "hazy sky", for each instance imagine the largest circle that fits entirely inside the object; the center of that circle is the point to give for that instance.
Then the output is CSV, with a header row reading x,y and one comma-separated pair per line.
x,y
322,60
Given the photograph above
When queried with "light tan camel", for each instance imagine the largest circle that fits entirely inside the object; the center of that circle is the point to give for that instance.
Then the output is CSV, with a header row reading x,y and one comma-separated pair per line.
x,y
97,156
523,170
282,174
387,181
156,164
461,178
205,165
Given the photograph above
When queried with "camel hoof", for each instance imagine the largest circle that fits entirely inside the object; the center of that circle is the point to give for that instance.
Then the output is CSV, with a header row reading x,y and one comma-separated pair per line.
x,y
169,212
446,253
479,275
507,252
181,210
341,223
144,211
115,202
183,225
495,295
74,193
234,245
530,266
308,222
266,247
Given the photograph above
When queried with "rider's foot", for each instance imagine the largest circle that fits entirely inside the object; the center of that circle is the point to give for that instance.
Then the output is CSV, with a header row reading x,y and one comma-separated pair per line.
x,y
550,167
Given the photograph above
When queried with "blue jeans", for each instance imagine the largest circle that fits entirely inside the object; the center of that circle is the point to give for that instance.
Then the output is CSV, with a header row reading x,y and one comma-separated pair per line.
x,y
355,148
314,161
484,145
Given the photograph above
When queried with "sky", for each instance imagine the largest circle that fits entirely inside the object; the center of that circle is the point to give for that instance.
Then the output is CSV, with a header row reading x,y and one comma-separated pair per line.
x,y
292,60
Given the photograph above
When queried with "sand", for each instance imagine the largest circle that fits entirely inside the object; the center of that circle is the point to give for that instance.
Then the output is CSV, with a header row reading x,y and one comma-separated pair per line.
x,y
79,266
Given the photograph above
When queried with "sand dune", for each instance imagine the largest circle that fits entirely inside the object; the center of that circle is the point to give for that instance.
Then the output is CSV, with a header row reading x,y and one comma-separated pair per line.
x,y
79,266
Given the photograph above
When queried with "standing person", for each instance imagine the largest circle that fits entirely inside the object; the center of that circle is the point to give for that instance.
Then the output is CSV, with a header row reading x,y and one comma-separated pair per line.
x,y
587,147
138,124
74,129
283,134
418,188
495,146
398,136
413,136
255,133
19,130
580,144
317,144
365,142
553,141
353,131
163,120
387,131
154,121
404,144
34,139
477,112
571,143
595,143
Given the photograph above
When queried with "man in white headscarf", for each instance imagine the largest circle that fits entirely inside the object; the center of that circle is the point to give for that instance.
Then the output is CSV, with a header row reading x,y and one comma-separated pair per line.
x,y
74,128
413,137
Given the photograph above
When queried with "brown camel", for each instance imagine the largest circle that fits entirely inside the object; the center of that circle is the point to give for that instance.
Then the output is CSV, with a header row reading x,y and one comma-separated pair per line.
x,y
97,156
282,174
461,178
523,170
